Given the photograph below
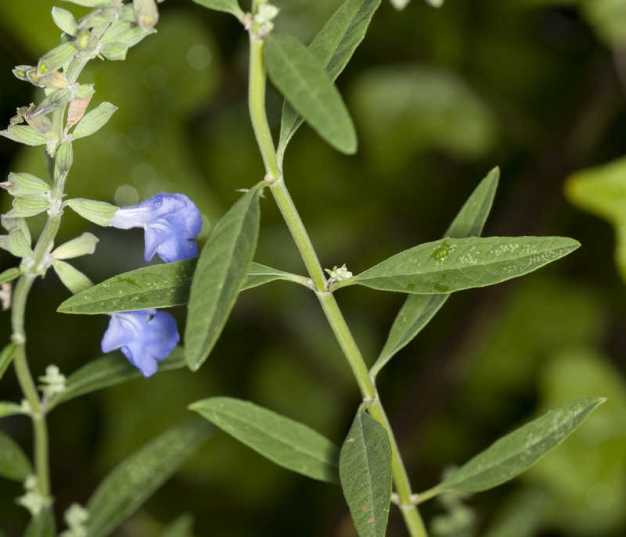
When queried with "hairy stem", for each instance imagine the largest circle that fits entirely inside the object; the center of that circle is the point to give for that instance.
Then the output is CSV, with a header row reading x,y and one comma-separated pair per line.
x,y
336,320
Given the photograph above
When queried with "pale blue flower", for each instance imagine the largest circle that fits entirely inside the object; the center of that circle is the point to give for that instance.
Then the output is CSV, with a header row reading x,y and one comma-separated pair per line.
x,y
145,337
171,223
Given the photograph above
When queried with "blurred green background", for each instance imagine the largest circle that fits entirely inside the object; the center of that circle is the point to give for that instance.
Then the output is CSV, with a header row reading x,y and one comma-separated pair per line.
x,y
439,97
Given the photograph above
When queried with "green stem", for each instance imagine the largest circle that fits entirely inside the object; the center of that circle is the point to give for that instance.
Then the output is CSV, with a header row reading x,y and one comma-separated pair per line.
x,y
27,384
336,320
44,245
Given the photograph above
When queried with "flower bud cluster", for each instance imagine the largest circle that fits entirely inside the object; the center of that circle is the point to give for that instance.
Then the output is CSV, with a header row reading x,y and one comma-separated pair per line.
x,y
32,500
261,23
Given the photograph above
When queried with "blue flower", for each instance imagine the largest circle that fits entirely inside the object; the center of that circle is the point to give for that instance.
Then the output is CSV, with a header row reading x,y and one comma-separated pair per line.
x,y
145,337
171,223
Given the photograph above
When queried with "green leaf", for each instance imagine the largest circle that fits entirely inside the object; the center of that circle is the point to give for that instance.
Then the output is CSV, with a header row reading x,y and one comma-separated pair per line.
x,y
10,409
283,441
419,310
221,273
601,190
451,265
226,6
401,110
518,451
6,358
94,120
262,274
181,527
301,78
137,478
365,472
13,463
333,46
157,286
109,371
42,525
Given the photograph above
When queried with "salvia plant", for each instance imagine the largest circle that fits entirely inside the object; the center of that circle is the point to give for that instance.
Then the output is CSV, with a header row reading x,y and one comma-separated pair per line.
x,y
368,466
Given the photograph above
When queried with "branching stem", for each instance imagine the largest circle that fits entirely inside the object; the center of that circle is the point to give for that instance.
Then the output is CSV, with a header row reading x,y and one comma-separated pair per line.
x,y
336,320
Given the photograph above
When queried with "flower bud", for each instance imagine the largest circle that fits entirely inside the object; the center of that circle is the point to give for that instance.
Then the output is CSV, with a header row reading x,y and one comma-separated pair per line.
x,y
64,159
98,212
83,245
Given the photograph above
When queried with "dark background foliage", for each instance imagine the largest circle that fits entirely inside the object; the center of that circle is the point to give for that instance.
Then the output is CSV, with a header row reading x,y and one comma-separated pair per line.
x,y
438,97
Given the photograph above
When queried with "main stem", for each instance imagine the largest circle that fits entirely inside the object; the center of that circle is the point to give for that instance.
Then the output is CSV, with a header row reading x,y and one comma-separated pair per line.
x,y
336,320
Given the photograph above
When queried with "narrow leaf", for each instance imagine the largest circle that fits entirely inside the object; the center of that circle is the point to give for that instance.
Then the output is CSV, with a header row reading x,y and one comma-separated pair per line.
x,y
518,451
226,6
419,310
333,46
221,273
301,78
283,441
137,478
6,358
157,286
109,371
94,120
451,265
13,463
365,472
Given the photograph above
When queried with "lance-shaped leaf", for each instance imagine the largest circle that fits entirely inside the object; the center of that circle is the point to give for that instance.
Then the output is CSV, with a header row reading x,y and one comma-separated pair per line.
x,y
13,463
94,120
221,273
283,441
106,372
42,525
137,478
518,451
6,358
226,6
365,472
451,265
333,46
419,310
157,286
304,82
